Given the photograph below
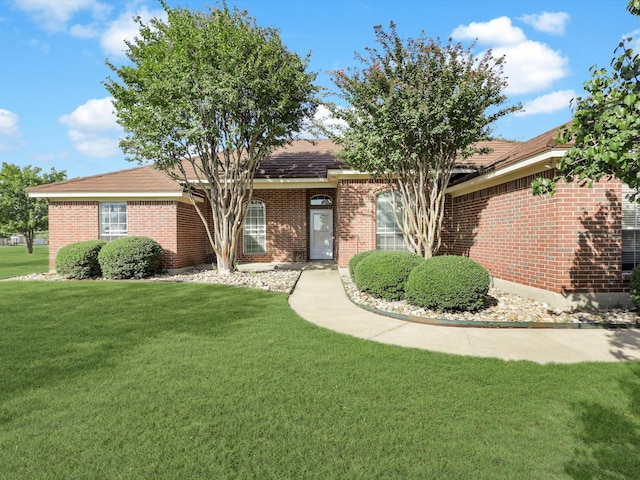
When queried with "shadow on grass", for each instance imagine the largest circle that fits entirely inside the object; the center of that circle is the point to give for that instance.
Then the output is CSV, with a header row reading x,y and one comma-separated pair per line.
x,y
610,437
52,332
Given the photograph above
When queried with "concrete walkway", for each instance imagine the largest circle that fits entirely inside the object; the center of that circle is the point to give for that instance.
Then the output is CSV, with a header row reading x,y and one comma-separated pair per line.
x,y
320,298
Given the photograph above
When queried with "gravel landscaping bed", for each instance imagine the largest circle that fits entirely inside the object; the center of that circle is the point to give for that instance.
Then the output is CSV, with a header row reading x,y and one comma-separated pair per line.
x,y
499,307
271,280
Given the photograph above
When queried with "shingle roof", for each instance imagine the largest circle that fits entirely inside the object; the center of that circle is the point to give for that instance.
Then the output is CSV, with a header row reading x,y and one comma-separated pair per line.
x,y
301,159
144,179
542,143
498,149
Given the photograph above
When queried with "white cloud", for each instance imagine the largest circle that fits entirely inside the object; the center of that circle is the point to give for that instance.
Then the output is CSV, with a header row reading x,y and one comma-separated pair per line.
x,y
549,103
8,123
95,115
93,128
321,120
323,117
530,66
553,23
93,145
84,31
635,42
498,31
53,15
125,28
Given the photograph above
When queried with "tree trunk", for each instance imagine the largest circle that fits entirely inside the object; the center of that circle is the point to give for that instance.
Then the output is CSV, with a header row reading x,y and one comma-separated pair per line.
x,y
28,236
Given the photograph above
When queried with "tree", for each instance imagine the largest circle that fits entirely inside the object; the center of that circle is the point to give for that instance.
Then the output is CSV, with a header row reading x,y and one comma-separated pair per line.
x,y
207,97
605,130
18,212
415,108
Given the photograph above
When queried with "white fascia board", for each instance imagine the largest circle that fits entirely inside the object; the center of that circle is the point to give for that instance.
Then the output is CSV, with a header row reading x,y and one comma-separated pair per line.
x,y
535,164
336,174
360,175
106,194
284,183
102,196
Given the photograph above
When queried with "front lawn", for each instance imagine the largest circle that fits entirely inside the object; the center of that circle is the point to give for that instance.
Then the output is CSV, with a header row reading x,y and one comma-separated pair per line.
x,y
15,261
120,380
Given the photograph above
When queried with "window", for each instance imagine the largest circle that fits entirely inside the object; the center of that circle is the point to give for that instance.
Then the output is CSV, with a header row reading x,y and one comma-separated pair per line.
x,y
630,231
321,200
113,220
388,234
255,228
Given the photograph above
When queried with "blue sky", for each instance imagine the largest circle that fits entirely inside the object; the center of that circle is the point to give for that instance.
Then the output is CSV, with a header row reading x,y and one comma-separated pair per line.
x,y
55,112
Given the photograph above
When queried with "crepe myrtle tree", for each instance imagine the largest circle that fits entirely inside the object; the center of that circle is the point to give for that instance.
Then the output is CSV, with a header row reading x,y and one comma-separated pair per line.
x,y
18,212
605,129
414,108
205,97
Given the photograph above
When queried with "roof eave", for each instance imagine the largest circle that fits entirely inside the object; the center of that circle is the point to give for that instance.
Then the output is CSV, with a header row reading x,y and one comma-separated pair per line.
x,y
102,196
536,164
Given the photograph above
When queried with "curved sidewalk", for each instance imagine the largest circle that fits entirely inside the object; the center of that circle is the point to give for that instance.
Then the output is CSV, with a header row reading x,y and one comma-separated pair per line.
x,y
320,298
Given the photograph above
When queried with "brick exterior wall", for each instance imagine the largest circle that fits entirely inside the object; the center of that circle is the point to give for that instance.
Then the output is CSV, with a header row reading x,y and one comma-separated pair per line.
x,y
356,217
568,243
71,222
174,225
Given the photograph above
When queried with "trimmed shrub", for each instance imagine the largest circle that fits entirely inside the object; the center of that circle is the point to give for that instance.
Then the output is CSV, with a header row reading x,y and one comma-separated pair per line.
x,y
384,273
448,282
356,259
79,260
634,287
130,257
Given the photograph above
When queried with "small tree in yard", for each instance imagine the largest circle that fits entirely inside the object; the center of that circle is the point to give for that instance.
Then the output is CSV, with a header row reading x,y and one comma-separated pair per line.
x,y
415,108
18,212
605,127
208,96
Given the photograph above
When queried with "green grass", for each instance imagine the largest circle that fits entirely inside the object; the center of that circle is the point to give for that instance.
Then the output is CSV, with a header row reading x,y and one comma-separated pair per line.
x,y
122,380
15,261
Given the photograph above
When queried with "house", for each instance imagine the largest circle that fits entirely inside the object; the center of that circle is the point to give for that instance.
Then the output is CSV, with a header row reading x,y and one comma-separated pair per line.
x,y
576,247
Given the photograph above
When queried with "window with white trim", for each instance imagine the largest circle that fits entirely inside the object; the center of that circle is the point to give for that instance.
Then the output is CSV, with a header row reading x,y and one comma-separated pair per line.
x,y
630,231
113,220
388,234
321,200
255,228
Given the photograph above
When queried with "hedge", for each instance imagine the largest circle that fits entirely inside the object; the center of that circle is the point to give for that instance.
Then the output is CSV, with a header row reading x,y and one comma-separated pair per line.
x,y
130,257
448,282
384,273
79,260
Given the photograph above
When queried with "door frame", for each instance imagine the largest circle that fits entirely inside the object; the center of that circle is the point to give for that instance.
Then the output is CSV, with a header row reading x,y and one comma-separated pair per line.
x,y
312,255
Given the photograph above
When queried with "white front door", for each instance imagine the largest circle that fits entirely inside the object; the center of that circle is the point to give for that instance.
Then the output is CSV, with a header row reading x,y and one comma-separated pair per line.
x,y
321,236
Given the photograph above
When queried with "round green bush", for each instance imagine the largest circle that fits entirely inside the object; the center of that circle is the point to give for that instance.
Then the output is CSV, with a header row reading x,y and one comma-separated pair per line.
x,y
384,273
130,257
634,287
448,282
79,260
356,259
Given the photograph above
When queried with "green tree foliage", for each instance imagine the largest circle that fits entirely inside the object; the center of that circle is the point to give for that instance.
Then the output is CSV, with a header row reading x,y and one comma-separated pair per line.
x,y
206,97
605,127
18,212
415,108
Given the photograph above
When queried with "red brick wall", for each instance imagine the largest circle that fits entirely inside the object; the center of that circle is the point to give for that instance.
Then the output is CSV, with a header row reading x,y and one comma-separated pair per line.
x,y
71,222
356,217
157,220
567,243
286,215
193,245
